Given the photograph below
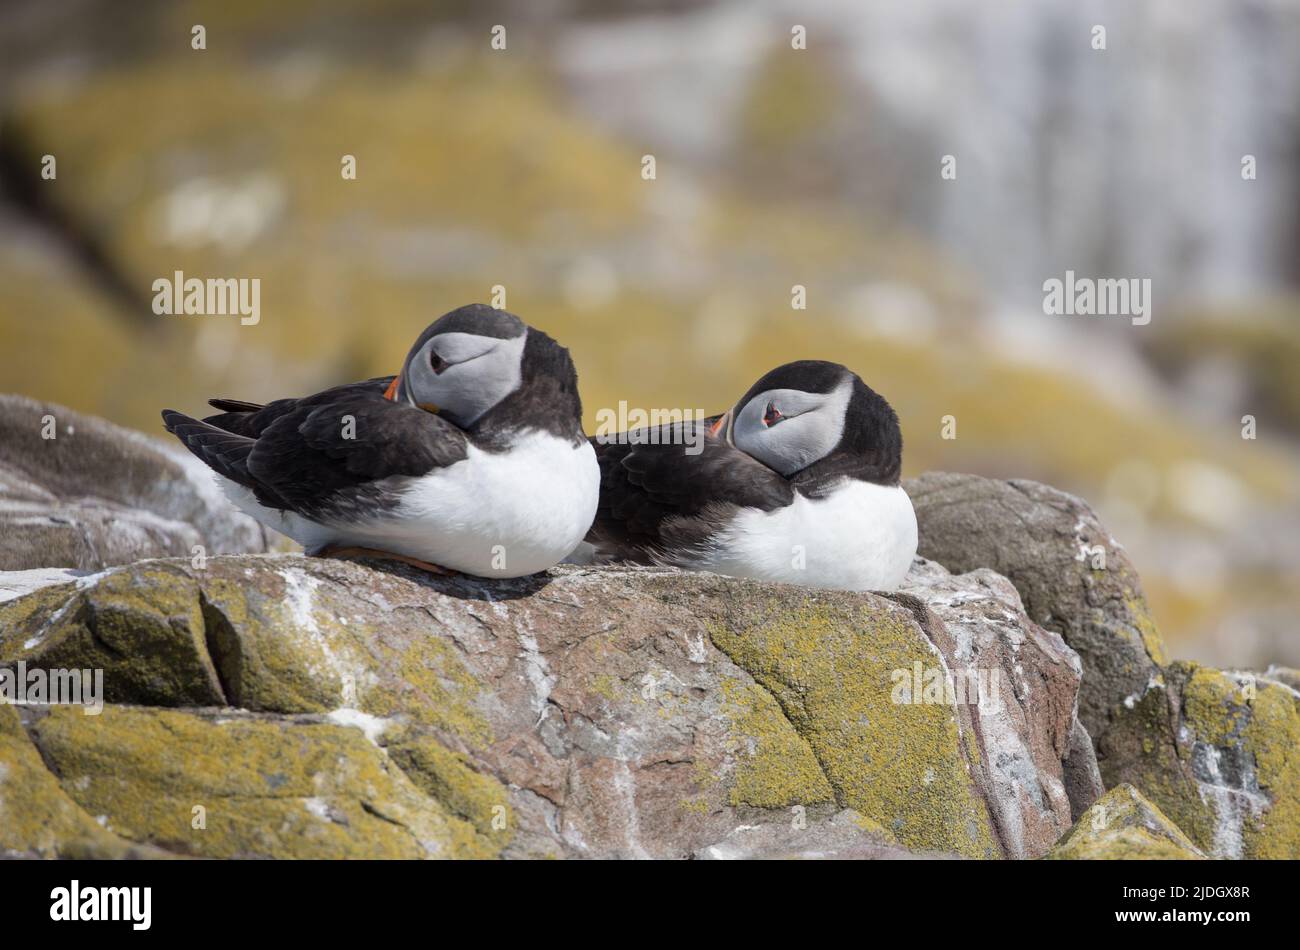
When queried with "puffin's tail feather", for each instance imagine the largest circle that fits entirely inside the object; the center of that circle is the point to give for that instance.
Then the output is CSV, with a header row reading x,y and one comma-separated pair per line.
x,y
235,405
226,453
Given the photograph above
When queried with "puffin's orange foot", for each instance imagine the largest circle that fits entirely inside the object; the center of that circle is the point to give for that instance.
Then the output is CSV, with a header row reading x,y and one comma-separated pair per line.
x,y
353,553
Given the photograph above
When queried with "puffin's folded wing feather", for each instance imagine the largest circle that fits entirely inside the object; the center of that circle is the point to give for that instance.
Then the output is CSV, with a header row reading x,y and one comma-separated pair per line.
x,y
226,453
235,405
653,492
251,419
322,453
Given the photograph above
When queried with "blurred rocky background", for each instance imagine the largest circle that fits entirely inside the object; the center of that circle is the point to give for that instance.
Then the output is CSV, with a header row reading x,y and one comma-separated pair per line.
x,y
775,167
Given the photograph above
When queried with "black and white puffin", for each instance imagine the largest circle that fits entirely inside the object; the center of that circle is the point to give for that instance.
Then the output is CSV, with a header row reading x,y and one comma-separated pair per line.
x,y
797,483
471,459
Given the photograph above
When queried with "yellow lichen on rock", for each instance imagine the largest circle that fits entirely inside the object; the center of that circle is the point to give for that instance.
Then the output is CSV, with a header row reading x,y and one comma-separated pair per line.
x,y
1244,726
1273,737
830,669
775,767
244,786
1146,628
143,626
1123,824
36,816
465,792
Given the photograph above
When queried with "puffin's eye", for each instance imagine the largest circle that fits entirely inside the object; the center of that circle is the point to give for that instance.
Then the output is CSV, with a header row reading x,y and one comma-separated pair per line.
x,y
437,362
772,416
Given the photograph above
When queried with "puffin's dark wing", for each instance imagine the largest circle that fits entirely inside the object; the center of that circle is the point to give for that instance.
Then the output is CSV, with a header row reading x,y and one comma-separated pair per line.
x,y
657,497
226,453
235,405
249,418
323,453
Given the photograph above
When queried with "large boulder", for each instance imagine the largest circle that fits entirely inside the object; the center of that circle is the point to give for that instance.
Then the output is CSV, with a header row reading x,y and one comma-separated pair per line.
x,y
79,492
277,705
1072,575
1218,752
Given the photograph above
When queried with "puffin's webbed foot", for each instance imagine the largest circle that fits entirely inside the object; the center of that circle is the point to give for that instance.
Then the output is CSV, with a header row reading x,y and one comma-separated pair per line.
x,y
356,553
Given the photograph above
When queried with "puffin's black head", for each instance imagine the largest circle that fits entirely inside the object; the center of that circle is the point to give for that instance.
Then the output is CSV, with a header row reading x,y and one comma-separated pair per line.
x,y
811,420
478,364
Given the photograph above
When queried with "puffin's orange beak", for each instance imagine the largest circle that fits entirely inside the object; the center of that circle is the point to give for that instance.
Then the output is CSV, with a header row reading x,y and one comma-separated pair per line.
x,y
391,392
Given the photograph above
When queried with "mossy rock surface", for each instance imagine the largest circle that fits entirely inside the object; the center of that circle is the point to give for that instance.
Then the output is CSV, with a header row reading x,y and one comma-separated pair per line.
x,y
325,708
222,785
1124,825
37,817
829,667
1219,752
1216,751
623,712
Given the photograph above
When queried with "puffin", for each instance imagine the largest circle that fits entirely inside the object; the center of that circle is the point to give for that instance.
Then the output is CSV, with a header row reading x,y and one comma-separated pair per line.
x,y
797,483
471,460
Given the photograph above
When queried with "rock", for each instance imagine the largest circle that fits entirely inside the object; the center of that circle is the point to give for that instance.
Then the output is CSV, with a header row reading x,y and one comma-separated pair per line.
x,y
97,495
324,708
1083,784
623,712
225,784
16,583
37,818
1284,675
1031,725
1073,577
1219,752
844,835
1123,825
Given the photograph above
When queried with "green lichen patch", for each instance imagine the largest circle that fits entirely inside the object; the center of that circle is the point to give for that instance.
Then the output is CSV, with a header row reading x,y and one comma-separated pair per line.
x,y
433,687
244,786
266,663
829,664
295,642
1145,625
1273,737
1244,717
468,794
775,766
36,816
1160,740
1141,748
143,626
1123,824
1215,707
605,686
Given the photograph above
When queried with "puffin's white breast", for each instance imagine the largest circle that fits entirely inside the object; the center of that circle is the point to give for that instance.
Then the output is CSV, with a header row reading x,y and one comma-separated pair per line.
x,y
859,537
494,514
